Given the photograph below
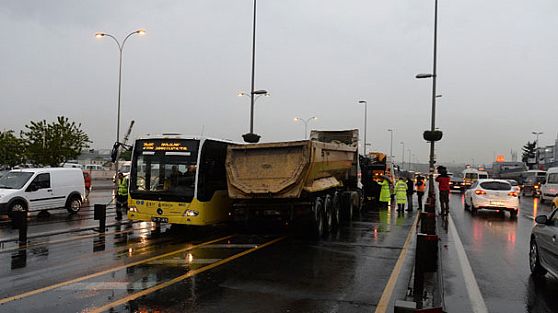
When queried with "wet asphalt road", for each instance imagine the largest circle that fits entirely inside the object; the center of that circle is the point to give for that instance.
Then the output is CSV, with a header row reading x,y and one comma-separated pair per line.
x,y
131,268
497,248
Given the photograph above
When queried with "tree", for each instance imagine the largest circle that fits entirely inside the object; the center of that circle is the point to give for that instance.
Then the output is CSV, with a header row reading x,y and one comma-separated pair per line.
x,y
54,143
11,149
529,151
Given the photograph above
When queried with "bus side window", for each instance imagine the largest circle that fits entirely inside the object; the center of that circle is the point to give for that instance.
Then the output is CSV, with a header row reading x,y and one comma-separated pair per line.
x,y
212,172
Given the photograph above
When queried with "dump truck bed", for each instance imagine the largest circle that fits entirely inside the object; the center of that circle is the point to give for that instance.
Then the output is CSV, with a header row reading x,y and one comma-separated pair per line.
x,y
287,170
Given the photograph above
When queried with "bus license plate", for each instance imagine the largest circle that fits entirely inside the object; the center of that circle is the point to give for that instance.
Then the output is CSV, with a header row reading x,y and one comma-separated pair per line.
x,y
160,219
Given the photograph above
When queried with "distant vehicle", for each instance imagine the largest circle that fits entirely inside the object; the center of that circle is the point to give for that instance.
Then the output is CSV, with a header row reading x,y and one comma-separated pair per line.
x,y
515,186
71,165
456,182
543,249
471,175
549,189
532,181
40,189
508,170
492,194
95,167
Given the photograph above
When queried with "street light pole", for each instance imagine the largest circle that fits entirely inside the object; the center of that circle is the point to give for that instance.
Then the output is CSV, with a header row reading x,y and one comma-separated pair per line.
x,y
305,121
253,71
537,133
431,192
391,144
120,50
365,121
403,155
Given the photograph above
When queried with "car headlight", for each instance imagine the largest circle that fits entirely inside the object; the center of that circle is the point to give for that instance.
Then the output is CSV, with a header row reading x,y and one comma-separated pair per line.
x,y
133,209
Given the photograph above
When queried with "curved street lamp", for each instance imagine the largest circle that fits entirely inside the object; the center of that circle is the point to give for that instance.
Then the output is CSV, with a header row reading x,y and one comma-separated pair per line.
x,y
120,49
305,121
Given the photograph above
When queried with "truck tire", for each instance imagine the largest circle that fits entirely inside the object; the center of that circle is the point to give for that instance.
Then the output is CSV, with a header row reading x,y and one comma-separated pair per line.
x,y
318,220
346,206
336,209
328,216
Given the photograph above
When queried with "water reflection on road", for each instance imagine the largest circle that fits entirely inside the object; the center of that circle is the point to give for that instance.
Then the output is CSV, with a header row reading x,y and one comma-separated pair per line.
x,y
497,247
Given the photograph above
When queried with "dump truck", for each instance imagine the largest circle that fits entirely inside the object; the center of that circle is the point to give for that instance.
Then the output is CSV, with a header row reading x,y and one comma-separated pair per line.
x,y
309,182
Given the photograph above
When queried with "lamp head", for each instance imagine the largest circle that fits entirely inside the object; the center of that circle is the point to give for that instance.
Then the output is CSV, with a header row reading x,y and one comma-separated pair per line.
x,y
140,31
100,35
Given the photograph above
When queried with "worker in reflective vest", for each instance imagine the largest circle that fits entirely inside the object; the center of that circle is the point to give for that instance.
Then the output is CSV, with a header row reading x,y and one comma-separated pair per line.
x,y
121,195
421,188
385,193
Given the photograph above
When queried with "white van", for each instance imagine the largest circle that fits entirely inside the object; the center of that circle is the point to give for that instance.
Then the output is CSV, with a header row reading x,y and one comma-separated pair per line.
x,y
471,175
37,189
549,189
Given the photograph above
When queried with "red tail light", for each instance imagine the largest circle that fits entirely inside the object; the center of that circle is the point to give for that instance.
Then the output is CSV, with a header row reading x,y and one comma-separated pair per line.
x,y
512,194
480,192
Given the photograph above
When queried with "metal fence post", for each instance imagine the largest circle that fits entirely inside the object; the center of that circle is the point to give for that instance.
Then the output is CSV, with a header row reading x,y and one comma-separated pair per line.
x,y
100,214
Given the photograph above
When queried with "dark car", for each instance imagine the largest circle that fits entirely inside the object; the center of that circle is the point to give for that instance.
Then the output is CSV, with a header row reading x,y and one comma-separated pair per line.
x,y
532,186
456,183
543,250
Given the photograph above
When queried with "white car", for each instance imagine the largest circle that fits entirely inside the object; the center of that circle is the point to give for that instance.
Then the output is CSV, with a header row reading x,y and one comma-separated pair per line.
x,y
492,194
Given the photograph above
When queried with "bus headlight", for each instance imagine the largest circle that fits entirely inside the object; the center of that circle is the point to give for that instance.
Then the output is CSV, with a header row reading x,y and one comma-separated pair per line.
x,y
133,209
191,213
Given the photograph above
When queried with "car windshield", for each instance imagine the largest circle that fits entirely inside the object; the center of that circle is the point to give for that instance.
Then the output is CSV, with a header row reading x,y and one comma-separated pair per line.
x,y
14,180
495,185
513,182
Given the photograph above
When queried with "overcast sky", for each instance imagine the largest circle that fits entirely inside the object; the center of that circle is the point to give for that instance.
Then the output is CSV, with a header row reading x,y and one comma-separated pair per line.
x,y
497,69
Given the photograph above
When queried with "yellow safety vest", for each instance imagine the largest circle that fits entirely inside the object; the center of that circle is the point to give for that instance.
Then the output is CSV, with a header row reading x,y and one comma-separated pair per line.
x,y
123,187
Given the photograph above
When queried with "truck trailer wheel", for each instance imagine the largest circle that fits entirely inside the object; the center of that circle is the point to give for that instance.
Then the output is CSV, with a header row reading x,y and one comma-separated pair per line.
x,y
328,210
336,209
347,206
318,222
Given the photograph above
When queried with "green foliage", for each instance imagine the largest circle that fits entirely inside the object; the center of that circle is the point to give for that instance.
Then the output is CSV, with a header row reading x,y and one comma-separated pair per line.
x,y
529,151
54,143
11,149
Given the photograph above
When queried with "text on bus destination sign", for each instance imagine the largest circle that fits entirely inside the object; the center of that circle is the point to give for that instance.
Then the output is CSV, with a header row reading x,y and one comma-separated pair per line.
x,y
164,146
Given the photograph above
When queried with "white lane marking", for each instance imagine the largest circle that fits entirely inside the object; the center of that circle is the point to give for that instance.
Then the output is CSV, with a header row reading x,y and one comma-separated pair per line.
x,y
229,246
475,296
531,217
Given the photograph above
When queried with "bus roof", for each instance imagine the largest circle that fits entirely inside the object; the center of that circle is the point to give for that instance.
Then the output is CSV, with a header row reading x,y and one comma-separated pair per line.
x,y
180,136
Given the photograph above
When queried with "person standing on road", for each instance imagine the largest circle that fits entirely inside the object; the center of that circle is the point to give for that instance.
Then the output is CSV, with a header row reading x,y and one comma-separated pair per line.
x,y
410,192
121,195
385,193
401,194
444,188
421,187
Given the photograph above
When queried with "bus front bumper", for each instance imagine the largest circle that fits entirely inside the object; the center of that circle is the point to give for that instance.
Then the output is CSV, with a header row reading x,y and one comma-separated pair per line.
x,y
170,219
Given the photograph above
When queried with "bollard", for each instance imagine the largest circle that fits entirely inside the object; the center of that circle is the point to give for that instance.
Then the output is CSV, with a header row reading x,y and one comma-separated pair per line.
x,y
100,214
20,220
426,261
428,223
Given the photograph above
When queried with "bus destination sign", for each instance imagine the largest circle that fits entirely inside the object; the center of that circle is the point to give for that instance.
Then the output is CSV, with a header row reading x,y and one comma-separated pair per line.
x,y
165,146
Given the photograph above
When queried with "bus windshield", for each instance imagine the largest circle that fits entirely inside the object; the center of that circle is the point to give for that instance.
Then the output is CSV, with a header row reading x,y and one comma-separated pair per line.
x,y
164,169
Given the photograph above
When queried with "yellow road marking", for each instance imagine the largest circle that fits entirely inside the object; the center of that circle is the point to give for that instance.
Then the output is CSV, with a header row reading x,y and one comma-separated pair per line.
x,y
114,269
388,290
178,279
